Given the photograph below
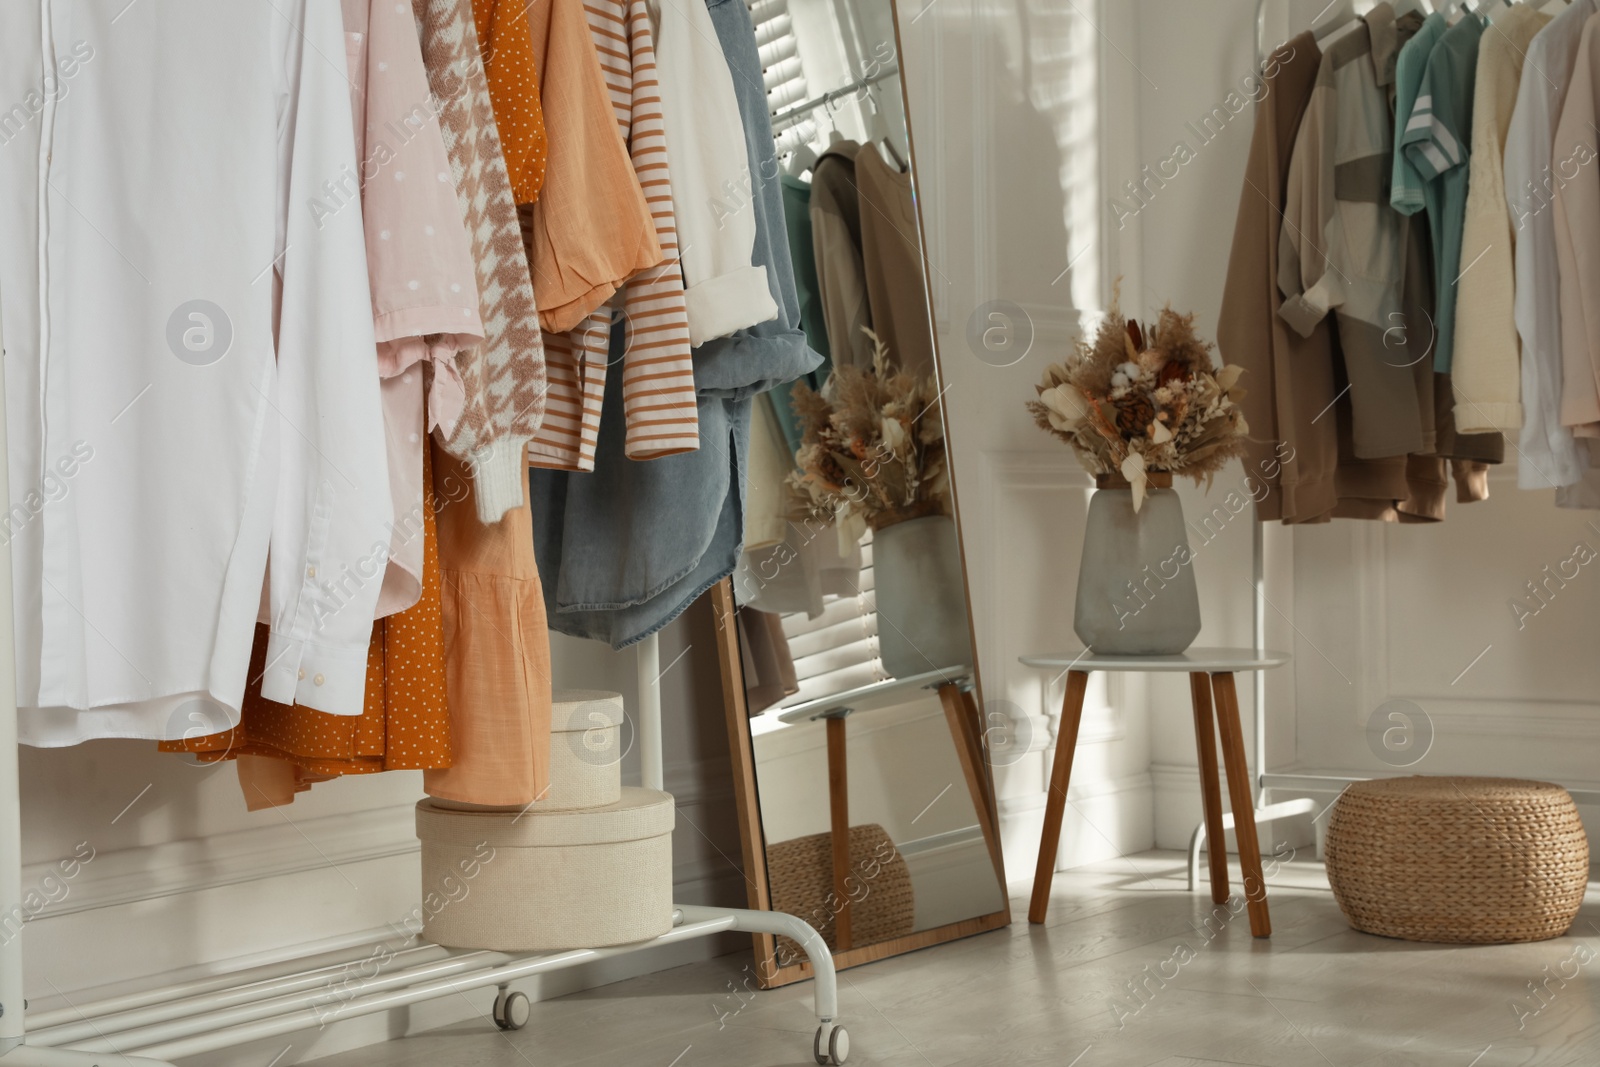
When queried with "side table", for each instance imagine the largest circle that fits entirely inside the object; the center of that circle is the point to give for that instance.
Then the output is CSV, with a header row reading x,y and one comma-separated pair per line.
x,y
954,686
1210,670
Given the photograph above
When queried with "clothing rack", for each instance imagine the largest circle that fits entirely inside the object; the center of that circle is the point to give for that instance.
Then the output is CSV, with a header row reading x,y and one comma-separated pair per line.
x,y
790,116
1265,811
155,1026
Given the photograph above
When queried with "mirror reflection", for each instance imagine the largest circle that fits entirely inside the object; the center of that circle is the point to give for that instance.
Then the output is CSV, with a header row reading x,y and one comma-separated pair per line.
x,y
875,797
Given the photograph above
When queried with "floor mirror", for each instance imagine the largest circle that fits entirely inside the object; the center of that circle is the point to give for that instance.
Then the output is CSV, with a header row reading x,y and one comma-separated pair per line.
x,y
865,796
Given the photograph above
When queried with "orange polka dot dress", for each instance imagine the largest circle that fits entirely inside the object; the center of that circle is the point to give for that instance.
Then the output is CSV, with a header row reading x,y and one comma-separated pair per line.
x,y
506,44
405,723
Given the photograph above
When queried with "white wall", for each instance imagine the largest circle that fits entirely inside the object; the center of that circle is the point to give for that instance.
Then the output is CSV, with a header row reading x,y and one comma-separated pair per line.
x,y
1040,113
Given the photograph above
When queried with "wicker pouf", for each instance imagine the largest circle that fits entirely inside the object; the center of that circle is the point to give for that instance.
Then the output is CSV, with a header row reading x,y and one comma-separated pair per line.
x,y
800,872
1476,860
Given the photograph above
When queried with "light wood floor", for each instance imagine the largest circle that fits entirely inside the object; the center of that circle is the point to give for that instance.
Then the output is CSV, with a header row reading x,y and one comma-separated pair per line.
x,y
1131,971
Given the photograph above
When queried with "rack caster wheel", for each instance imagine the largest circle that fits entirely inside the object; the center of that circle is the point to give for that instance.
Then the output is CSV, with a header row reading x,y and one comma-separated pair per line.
x,y
831,1045
511,1010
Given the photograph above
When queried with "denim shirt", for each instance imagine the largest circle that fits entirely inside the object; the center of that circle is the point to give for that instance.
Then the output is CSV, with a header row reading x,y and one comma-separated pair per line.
x,y
623,550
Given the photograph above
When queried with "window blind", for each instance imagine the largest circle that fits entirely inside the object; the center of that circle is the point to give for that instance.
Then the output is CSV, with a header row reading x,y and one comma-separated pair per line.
x,y
782,69
838,650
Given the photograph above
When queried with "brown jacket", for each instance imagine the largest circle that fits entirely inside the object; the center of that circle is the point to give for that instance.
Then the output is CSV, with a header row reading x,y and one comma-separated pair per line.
x,y
1288,381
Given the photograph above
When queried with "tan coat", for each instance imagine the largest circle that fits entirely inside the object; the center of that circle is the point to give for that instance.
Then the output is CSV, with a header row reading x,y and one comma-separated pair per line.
x,y
1288,378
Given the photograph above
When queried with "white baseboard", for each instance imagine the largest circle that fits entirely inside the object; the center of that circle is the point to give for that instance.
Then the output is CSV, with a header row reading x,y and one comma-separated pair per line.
x,y
1178,810
1104,818
285,848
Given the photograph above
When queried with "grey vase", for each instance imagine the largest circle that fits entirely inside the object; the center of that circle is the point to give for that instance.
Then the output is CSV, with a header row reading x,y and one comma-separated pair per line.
x,y
921,594
1136,590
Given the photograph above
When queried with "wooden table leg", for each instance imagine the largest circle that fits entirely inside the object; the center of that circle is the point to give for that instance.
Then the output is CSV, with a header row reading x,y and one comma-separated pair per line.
x,y
1056,802
970,753
980,729
839,808
1205,736
1244,816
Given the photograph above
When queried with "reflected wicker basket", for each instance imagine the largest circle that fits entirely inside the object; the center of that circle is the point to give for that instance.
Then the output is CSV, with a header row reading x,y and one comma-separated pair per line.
x,y
800,872
1461,860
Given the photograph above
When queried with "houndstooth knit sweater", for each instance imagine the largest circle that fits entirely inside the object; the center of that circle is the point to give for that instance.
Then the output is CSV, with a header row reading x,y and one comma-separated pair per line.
x,y
504,377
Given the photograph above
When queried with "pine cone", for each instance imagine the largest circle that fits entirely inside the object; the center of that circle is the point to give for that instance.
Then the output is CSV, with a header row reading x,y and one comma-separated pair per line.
x,y
1134,414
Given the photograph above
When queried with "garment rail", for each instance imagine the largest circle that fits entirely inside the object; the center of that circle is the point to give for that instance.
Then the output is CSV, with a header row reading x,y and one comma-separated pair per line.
x,y
153,1027
789,116
1265,810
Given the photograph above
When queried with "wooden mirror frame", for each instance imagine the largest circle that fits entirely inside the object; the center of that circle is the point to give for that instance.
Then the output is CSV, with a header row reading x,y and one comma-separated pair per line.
x,y
770,974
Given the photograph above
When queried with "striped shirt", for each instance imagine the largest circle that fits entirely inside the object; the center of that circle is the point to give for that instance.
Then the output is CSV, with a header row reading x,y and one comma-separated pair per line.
x,y
1406,189
1437,141
657,375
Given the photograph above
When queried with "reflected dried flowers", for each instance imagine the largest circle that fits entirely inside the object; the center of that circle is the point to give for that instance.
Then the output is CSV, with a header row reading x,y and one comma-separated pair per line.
x,y
872,450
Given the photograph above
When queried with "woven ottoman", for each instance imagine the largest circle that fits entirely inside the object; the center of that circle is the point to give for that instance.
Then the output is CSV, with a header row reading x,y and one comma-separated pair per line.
x,y
1465,860
883,905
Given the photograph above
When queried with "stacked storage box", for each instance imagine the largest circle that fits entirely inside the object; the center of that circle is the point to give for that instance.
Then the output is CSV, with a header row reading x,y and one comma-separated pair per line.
x,y
588,865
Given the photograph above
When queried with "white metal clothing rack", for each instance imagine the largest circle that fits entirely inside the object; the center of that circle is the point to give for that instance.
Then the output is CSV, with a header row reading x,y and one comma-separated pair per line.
x,y
1265,811
156,1026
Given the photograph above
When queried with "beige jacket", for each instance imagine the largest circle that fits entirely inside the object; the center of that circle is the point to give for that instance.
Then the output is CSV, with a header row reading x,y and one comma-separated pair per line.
x,y
836,238
1486,368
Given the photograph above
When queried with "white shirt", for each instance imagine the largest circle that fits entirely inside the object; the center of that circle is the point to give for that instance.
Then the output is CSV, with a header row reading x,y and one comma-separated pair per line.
x,y
1548,454
160,154
712,189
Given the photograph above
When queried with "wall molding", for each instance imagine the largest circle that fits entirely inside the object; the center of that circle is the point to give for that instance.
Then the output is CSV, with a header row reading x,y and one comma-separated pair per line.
x,y
1465,711
1079,789
131,875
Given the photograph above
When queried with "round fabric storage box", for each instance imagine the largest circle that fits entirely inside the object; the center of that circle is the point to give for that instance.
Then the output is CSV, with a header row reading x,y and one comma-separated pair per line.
x,y
1474,860
585,750
545,880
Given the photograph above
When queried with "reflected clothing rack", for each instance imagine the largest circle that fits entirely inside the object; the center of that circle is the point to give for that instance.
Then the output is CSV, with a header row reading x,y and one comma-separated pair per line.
x,y
797,113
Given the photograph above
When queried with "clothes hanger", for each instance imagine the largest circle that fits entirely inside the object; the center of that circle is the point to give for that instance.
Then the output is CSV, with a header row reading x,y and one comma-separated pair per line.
x,y
801,160
1340,15
894,154
876,120
834,136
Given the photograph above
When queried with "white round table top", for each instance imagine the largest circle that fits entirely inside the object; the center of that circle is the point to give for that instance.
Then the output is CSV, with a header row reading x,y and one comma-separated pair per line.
x,y
1193,660
877,695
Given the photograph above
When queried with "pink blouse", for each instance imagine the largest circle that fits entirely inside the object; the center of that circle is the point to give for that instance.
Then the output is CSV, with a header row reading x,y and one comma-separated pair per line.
x,y
419,260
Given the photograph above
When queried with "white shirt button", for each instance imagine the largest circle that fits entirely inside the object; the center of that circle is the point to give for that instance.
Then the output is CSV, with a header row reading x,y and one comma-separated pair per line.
x,y
311,572
302,674
317,680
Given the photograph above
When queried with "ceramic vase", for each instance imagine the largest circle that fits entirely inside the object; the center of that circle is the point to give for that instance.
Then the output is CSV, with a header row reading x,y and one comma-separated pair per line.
x,y
921,596
1136,589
